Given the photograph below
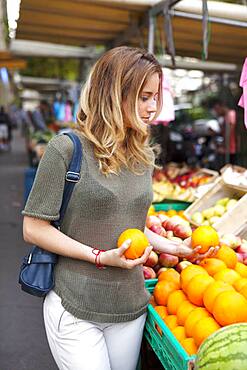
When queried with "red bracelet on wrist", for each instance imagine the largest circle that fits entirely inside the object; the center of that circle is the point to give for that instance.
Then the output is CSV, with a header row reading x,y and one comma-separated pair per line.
x,y
97,252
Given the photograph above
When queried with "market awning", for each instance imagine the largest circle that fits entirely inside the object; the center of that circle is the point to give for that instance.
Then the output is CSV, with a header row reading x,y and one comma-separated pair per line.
x,y
7,60
110,23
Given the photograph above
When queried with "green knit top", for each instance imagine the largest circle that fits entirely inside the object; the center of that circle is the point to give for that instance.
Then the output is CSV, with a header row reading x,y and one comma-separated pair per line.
x,y
100,208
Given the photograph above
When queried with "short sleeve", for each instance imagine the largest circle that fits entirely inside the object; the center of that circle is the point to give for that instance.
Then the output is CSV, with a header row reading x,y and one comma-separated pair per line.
x,y
45,198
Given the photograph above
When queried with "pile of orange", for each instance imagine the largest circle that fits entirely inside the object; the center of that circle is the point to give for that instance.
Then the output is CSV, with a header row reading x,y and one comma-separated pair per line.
x,y
203,298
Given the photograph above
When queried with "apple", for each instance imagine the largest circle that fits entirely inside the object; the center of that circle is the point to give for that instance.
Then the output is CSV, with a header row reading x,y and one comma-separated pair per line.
x,y
219,210
168,260
158,230
173,221
231,241
152,220
242,248
148,273
152,259
157,267
197,217
182,231
208,213
240,257
163,217
245,261
214,219
223,201
162,269
182,265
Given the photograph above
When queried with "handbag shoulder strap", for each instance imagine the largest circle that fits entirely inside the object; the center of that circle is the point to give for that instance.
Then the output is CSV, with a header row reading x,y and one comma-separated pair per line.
x,y
72,175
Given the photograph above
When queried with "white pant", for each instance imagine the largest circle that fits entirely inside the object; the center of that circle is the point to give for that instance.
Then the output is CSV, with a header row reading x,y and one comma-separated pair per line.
x,y
82,345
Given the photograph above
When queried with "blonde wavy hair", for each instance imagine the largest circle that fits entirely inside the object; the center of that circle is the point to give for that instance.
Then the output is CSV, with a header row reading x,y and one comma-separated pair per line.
x,y
117,77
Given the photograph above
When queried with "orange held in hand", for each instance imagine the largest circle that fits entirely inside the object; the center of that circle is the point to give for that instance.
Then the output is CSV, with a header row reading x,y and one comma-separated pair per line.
x,y
206,237
139,242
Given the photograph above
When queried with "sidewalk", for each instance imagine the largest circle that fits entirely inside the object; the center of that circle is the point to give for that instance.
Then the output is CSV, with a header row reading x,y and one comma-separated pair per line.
x,y
23,343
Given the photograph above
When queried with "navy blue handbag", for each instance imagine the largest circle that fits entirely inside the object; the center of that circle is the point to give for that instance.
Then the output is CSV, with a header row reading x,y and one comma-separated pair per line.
x,y
36,275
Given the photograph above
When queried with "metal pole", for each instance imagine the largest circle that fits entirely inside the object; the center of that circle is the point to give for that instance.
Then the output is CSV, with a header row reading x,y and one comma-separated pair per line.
x,y
229,22
150,33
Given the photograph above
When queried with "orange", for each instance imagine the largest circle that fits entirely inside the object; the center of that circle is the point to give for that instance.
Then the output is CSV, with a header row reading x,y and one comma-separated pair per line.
x,y
196,288
170,275
171,321
212,265
174,301
203,328
139,242
189,345
192,319
162,290
206,237
179,333
227,255
241,269
229,276
243,291
171,212
188,273
230,307
184,311
151,211
161,310
239,284
212,291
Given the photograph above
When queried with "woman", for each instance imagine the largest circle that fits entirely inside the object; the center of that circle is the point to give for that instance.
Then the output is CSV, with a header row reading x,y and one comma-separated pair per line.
x,y
94,317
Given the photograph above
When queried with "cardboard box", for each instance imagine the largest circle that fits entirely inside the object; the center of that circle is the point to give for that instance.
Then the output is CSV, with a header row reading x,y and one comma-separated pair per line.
x,y
237,215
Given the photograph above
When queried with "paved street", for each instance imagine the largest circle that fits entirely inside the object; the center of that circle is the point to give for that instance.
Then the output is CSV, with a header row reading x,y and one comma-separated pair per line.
x,y
23,343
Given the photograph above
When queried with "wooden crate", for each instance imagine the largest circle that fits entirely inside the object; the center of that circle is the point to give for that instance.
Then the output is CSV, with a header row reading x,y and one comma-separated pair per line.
x,y
218,191
235,220
237,169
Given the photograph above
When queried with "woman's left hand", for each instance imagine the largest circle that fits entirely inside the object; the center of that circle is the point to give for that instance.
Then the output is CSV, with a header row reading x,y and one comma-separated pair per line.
x,y
193,255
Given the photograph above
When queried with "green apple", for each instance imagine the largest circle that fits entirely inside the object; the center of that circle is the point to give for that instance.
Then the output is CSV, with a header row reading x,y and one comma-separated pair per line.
x,y
214,219
208,213
223,201
197,217
219,210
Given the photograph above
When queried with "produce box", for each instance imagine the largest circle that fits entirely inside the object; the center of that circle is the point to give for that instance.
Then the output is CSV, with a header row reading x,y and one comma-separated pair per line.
x,y
219,191
234,176
167,348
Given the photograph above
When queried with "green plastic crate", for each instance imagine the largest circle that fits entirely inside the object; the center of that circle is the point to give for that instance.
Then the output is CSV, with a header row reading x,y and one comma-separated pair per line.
x,y
166,205
150,284
167,348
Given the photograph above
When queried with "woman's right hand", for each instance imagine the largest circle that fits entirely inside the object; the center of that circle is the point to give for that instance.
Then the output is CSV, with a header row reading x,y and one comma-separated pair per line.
x,y
116,257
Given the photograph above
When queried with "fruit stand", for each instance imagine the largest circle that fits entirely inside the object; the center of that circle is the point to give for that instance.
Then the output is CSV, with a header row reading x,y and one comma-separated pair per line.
x,y
192,305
